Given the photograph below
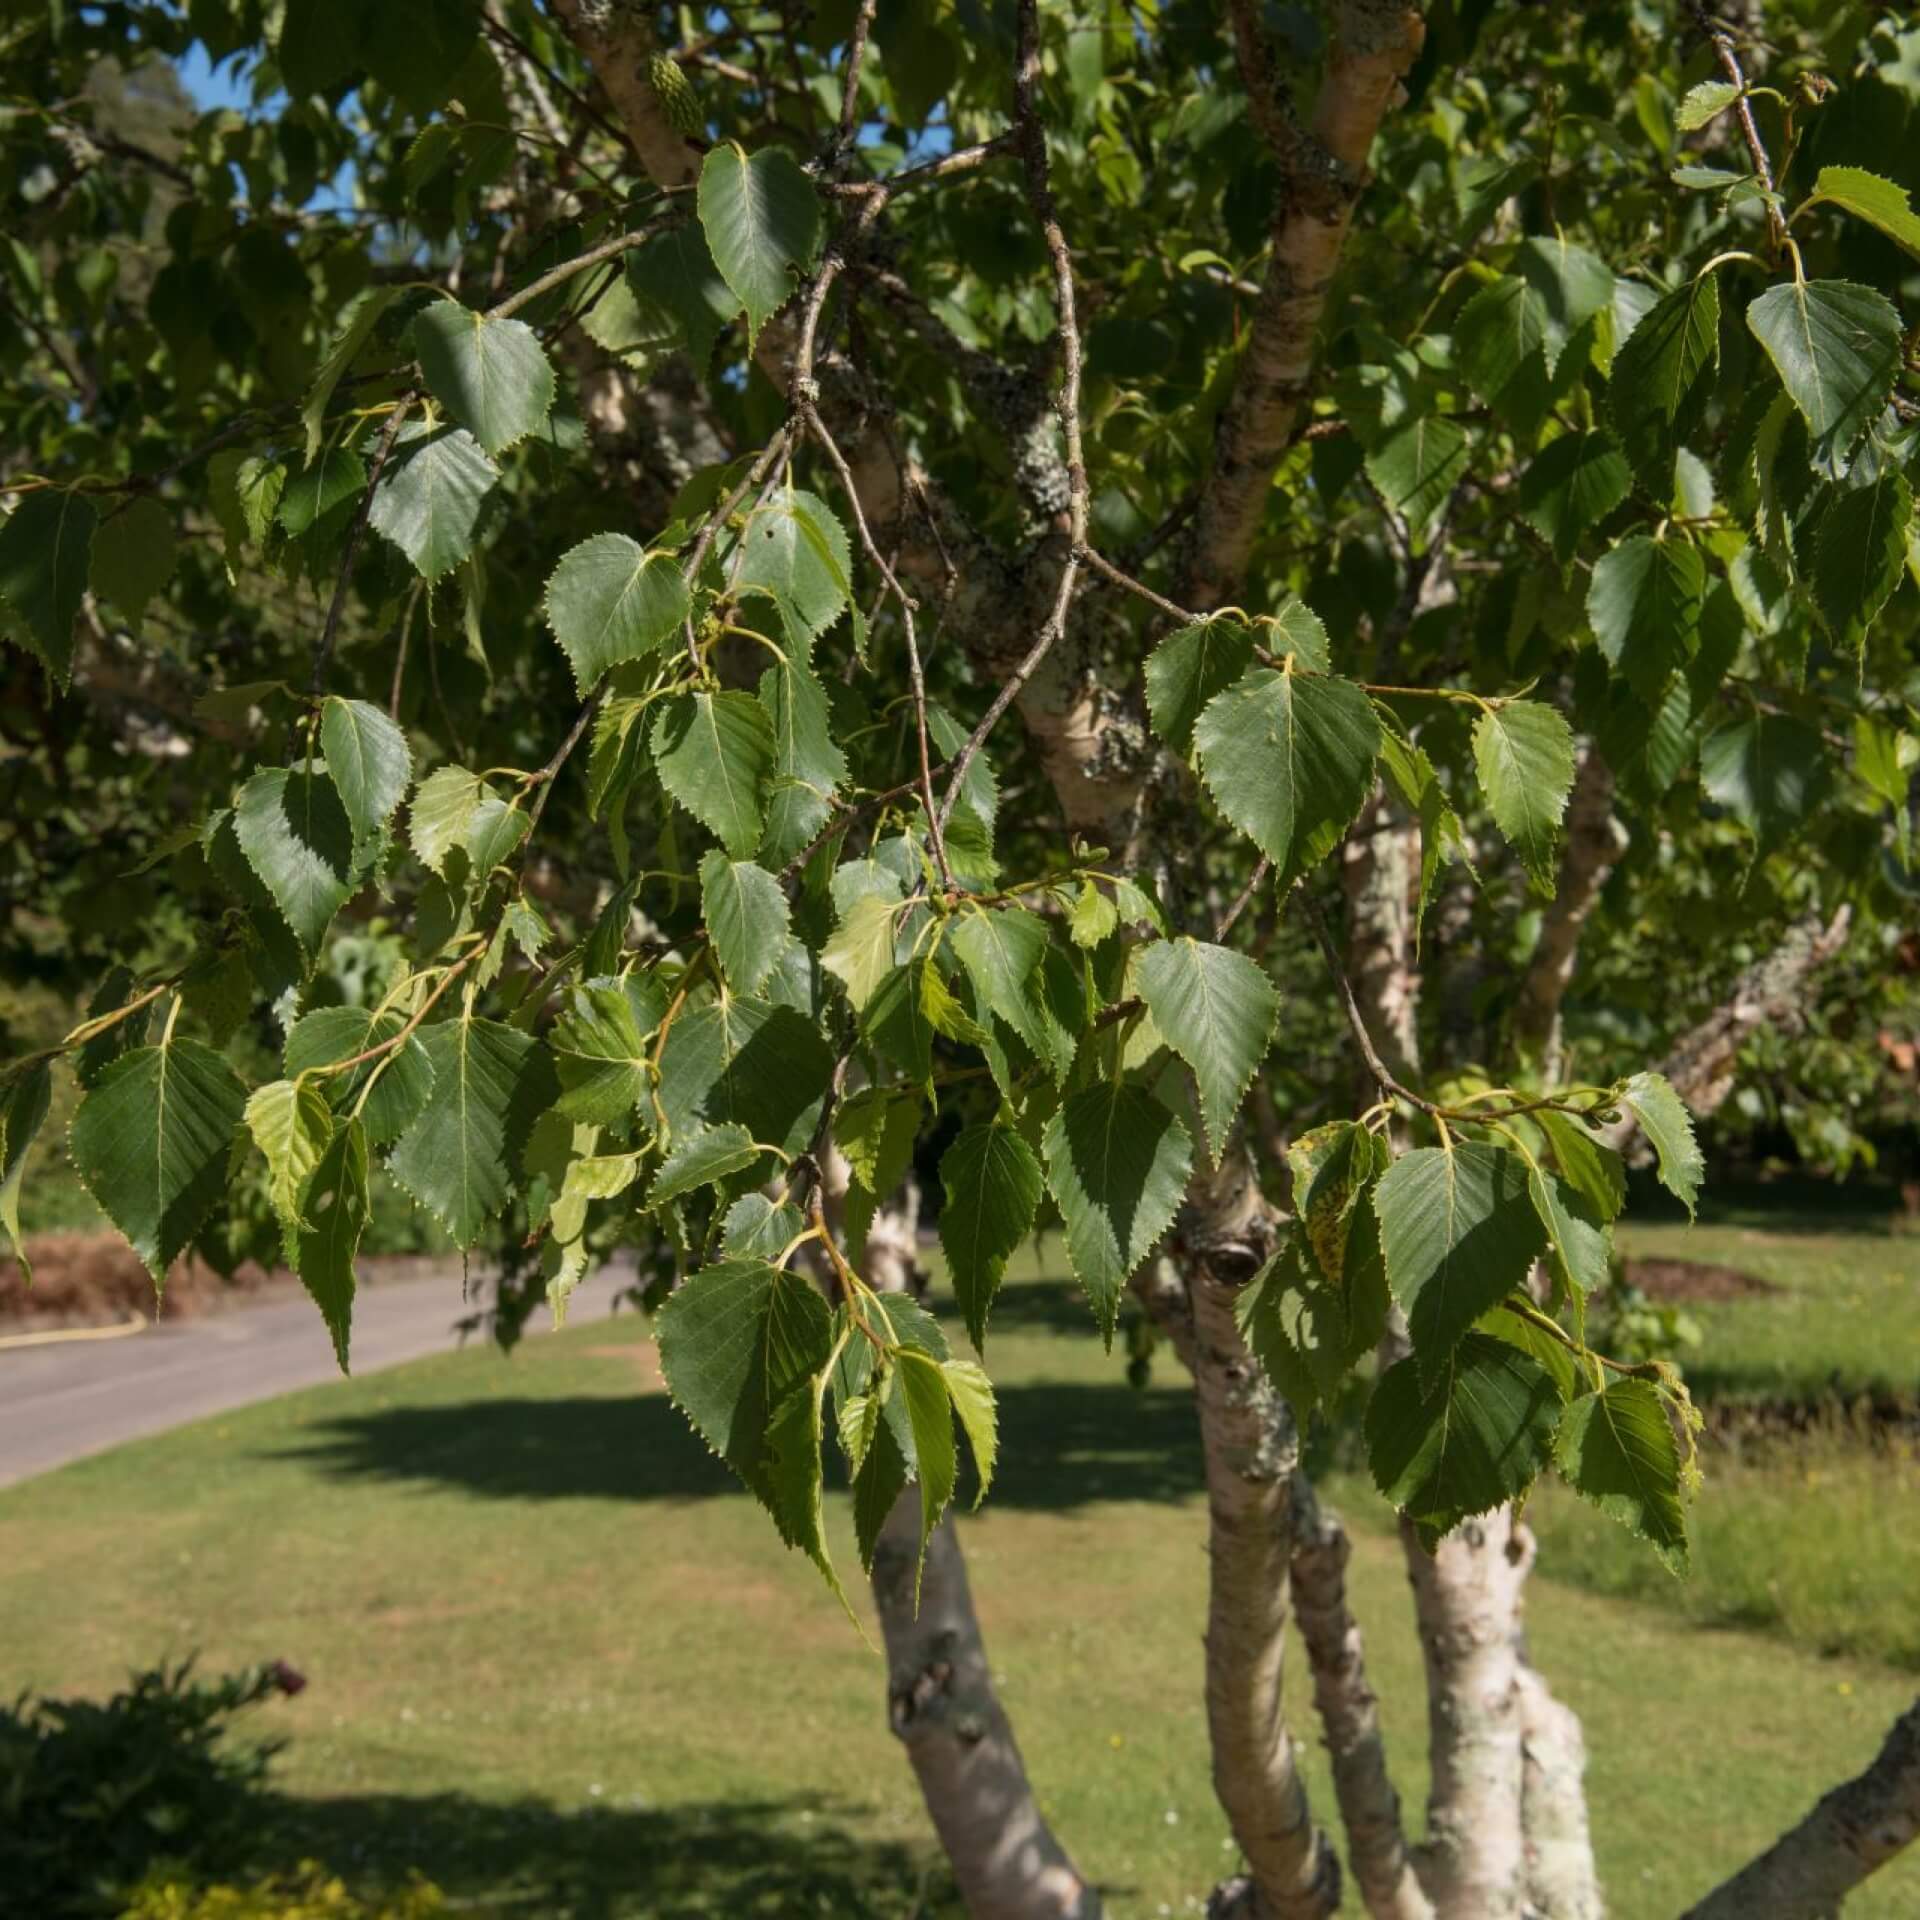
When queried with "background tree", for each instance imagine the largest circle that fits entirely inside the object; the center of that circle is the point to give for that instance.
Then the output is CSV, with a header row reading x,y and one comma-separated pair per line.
x,y
521,553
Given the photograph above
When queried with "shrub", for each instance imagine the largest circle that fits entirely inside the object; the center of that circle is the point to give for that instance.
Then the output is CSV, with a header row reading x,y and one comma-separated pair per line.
x,y
308,1893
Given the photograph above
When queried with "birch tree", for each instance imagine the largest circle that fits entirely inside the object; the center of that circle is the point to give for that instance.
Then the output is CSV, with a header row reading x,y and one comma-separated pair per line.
x,y
1267,638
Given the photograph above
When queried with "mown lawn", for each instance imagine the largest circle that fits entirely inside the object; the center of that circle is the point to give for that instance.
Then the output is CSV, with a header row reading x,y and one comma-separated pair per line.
x,y
560,1665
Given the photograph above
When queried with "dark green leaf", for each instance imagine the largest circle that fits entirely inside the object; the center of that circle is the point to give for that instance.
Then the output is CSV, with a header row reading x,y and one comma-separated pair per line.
x,y
1837,348
611,600
491,375
1618,1450
46,550
430,496
1216,1009
991,1183
762,220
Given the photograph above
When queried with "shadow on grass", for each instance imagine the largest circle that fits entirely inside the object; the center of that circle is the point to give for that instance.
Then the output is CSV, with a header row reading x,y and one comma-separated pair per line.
x,y
528,1857
1062,1445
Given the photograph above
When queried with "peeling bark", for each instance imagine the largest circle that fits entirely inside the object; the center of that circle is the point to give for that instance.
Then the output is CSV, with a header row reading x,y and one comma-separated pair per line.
x,y
1854,1831
1350,1714
1595,841
1375,44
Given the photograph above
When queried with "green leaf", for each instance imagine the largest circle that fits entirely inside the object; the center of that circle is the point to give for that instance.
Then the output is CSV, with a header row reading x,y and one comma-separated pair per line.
x,y
324,486
600,1049
1617,1449
24,1099
292,1125
151,1141
1524,753
793,548
808,766
46,549
759,1229
1003,951
1655,393
1571,283
1770,773
676,270
746,915
1470,1439
923,1387
703,1159
356,327
444,809
430,496
991,1183
861,952
1837,349
1117,1165
1589,1166
316,49
1860,554
765,1066
714,753
1332,1168
762,220
1669,1126
972,1395
1297,1326
368,759
457,1158
1700,103
744,1348
338,1208
1416,468
1217,1010
1578,1246
1410,769
396,1085
491,375
1459,1233
1497,333
1294,628
1289,759
1870,198
1570,488
297,838
135,561
611,600
1644,604
1188,668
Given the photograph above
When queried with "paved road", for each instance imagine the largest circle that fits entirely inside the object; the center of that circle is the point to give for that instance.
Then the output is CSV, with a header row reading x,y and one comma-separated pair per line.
x,y
59,1403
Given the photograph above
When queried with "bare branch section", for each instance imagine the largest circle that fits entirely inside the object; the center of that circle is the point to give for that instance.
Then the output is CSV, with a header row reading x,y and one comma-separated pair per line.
x,y
1375,43
1853,1832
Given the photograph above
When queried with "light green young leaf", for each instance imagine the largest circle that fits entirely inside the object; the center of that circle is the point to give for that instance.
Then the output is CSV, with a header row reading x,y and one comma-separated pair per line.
x,y
457,1158
1524,753
1117,1165
762,221
24,1099
746,915
1217,1010
1473,1436
430,496
611,600
292,1125
860,953
1868,197
991,1182
1617,1449
46,552
1666,1122
1188,668
1589,1166
298,840
973,1400
151,1140
1289,759
714,753
444,808
368,758
1836,347
601,1051
702,1159
356,327
492,375
338,1207
1459,1233
1700,103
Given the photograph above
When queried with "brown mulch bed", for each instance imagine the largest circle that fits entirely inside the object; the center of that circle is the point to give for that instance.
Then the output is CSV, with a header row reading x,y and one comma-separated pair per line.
x,y
1694,1280
95,1280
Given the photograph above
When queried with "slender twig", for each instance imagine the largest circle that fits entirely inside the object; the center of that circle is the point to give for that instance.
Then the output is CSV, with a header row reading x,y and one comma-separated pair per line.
x,y
961,160
621,243
400,657
1356,1024
1033,150
844,817
544,779
499,30
1723,47
323,647
850,88
1100,564
1262,867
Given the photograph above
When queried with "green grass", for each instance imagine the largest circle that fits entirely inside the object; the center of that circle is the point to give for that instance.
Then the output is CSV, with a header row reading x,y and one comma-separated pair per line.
x,y
560,1665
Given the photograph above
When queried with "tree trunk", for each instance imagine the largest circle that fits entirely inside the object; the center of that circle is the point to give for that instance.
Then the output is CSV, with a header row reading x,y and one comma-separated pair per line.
x,y
1853,1832
1560,1879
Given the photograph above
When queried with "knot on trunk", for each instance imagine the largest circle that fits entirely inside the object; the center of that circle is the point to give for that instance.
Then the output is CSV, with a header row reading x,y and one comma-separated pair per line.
x,y
921,1694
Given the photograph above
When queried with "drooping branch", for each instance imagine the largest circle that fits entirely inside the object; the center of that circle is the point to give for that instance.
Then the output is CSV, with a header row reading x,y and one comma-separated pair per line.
x,y
1853,1832
1324,172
